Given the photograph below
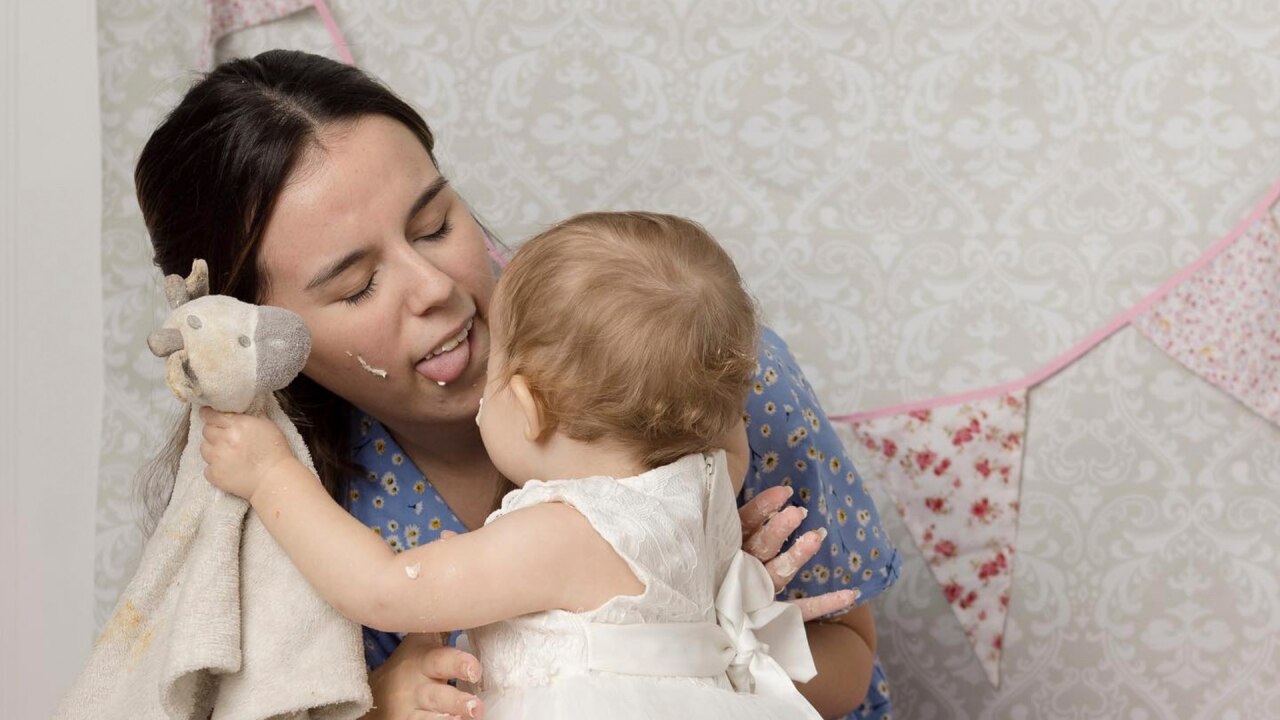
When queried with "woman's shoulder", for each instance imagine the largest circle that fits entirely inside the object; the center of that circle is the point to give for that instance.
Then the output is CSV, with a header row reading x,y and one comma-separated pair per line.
x,y
793,443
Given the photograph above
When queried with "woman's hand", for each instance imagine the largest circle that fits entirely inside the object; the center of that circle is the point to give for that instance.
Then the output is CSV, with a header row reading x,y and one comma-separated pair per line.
x,y
413,684
766,526
240,450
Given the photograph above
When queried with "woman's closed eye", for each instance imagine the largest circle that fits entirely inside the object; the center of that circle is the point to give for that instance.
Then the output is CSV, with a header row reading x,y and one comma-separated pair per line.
x,y
364,292
439,234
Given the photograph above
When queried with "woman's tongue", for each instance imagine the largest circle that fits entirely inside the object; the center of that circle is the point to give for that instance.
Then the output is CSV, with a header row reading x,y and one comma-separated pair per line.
x,y
446,367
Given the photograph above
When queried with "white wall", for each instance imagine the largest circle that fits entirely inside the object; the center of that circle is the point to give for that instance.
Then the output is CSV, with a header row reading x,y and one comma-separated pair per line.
x,y
50,346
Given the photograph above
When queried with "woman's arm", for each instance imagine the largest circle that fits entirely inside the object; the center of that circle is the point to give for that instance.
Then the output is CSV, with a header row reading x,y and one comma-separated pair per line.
x,y
844,652
793,443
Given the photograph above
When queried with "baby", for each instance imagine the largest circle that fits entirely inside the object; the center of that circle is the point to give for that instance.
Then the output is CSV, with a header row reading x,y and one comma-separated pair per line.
x,y
611,582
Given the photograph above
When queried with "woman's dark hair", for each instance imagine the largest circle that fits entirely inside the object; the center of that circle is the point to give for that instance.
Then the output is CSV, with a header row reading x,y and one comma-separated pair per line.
x,y
207,181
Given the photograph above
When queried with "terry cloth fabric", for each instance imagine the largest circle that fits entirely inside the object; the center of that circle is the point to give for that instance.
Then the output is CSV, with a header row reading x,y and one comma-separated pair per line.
x,y
218,623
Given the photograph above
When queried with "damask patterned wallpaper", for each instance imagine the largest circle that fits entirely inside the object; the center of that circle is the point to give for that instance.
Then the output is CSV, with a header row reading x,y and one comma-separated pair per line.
x,y
925,197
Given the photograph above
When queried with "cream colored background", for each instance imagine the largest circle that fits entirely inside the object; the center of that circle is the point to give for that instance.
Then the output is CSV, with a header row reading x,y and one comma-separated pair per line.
x,y
925,197
50,347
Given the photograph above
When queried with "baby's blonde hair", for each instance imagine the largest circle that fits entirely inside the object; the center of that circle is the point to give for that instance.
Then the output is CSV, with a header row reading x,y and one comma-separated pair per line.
x,y
632,327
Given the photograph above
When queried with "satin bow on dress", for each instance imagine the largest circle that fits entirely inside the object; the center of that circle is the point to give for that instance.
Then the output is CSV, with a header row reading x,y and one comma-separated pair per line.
x,y
767,637
759,643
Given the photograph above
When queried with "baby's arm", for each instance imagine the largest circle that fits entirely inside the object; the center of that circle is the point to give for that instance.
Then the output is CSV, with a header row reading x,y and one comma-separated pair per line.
x,y
538,558
533,559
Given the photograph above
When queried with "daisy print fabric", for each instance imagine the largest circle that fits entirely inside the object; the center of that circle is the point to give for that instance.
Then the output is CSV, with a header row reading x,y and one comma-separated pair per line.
x,y
397,502
793,443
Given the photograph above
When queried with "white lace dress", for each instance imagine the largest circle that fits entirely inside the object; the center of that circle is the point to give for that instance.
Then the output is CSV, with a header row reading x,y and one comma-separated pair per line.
x,y
660,654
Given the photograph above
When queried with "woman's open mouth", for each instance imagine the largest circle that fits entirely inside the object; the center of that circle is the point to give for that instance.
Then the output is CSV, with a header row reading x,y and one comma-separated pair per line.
x,y
448,361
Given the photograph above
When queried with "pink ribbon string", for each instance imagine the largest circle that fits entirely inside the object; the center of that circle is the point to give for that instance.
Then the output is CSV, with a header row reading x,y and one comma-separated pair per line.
x,y
339,42
1045,372
1052,367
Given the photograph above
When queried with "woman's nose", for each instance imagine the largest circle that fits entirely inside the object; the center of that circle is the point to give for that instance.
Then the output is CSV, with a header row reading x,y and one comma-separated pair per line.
x,y
430,286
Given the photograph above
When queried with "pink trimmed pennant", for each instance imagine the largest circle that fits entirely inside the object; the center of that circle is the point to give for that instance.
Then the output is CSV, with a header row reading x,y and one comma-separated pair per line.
x,y
228,16
1219,316
1223,322
954,473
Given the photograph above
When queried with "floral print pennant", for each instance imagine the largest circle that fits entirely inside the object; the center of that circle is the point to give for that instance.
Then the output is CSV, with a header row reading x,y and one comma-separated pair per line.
x,y
228,16
1223,322
954,472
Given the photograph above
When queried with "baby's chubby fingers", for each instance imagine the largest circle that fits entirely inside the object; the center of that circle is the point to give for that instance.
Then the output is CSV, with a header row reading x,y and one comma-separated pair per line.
x,y
827,603
228,431
213,418
239,450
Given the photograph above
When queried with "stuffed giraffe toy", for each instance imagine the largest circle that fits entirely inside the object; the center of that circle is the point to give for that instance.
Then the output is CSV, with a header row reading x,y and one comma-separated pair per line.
x,y
217,622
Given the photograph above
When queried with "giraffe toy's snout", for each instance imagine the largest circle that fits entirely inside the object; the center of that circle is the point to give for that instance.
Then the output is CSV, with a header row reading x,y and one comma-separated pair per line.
x,y
283,344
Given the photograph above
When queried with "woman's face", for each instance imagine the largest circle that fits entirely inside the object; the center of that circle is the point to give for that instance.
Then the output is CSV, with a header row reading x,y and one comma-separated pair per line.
x,y
390,272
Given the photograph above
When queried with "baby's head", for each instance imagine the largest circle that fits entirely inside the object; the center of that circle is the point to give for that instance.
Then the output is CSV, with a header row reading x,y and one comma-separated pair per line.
x,y
630,328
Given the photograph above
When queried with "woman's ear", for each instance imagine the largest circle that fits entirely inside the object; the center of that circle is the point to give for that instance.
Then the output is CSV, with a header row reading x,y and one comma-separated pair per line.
x,y
534,422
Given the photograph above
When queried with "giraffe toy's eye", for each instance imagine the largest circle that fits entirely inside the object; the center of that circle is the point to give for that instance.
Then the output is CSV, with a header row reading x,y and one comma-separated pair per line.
x,y
194,322
245,341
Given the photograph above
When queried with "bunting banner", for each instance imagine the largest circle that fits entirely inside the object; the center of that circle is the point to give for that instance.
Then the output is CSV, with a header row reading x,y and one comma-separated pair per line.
x,y
1223,323
953,473
953,464
228,16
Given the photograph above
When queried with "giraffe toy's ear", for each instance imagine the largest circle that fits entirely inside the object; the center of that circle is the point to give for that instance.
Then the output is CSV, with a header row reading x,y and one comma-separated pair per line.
x,y
181,378
198,281
179,290
175,290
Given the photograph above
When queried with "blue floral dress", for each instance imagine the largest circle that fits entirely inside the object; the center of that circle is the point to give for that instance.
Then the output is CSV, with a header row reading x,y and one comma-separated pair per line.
x,y
792,443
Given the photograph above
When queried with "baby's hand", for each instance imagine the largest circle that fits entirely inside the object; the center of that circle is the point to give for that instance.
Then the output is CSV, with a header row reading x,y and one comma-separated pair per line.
x,y
240,450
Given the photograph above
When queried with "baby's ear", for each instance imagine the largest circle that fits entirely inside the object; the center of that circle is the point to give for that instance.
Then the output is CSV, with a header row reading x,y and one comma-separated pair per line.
x,y
534,422
180,377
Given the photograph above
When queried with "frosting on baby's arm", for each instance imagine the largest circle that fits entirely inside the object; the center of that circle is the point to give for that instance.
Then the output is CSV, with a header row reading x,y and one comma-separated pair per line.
x,y
538,558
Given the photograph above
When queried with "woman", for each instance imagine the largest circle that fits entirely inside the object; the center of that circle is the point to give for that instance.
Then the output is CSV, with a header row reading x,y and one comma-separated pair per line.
x,y
307,185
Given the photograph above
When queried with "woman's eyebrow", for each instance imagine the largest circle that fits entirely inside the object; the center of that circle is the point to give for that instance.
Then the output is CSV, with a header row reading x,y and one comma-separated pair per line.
x,y
434,189
337,268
